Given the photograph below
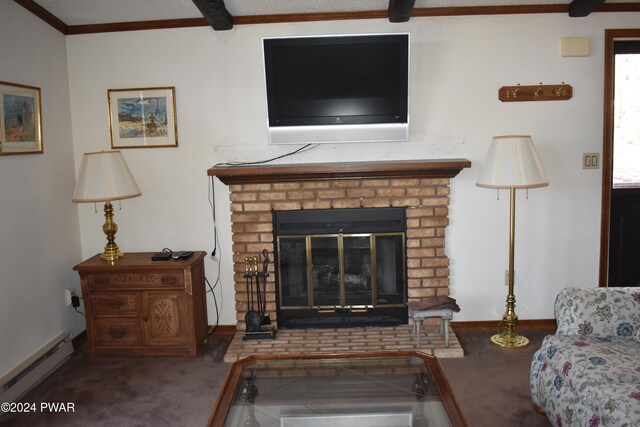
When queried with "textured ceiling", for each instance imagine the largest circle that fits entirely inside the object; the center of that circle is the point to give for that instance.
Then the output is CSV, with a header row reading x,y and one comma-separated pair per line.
x,y
83,12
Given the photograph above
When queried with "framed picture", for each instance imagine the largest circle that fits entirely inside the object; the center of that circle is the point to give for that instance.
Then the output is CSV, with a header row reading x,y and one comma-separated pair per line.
x,y
142,118
20,119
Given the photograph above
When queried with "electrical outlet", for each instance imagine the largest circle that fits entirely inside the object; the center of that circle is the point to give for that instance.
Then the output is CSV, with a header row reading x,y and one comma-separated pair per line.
x,y
68,293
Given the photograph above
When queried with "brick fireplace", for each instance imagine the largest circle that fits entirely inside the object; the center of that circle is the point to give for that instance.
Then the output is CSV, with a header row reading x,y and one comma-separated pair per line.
x,y
420,186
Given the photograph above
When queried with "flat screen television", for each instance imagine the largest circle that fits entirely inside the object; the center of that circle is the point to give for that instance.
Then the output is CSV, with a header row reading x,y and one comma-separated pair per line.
x,y
344,88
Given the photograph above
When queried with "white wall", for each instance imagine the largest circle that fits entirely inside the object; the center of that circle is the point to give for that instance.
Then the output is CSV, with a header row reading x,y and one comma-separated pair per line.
x,y
458,64
39,233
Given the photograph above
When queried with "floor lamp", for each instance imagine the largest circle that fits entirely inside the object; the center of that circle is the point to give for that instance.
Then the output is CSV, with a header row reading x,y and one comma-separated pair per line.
x,y
512,162
104,176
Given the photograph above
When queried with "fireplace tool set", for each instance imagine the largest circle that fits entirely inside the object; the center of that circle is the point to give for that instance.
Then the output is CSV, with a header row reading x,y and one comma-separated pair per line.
x,y
256,316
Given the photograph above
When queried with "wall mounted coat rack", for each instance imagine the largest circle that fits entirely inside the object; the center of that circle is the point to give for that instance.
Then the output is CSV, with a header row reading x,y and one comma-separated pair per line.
x,y
539,92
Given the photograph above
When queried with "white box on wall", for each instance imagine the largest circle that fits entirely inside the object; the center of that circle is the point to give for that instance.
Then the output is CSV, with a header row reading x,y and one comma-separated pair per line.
x,y
575,46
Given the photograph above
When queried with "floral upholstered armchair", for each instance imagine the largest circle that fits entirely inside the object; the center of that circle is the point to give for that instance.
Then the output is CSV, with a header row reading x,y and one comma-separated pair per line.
x,y
588,373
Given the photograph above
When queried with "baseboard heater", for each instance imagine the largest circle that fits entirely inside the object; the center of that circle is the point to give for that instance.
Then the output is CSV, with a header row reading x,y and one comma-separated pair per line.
x,y
35,368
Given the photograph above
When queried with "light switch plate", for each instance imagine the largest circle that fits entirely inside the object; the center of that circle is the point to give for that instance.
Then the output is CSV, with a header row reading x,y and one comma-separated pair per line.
x,y
590,160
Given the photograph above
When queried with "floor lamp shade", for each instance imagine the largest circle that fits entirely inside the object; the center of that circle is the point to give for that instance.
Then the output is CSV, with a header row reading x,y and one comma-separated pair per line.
x,y
104,176
512,162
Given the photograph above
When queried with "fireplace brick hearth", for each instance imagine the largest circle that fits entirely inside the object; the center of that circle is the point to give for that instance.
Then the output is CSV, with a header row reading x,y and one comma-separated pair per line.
x,y
422,187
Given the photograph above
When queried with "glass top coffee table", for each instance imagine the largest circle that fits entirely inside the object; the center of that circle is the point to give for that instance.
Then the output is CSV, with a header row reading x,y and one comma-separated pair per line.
x,y
400,389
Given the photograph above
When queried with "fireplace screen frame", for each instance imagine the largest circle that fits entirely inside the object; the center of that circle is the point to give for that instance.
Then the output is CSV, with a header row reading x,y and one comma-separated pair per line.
x,y
335,227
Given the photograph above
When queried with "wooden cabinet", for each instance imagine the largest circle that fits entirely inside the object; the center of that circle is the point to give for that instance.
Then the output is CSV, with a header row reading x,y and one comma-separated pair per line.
x,y
138,307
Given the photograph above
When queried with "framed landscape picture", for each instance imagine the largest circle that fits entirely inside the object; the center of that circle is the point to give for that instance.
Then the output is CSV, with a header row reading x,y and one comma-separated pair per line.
x,y
142,118
20,119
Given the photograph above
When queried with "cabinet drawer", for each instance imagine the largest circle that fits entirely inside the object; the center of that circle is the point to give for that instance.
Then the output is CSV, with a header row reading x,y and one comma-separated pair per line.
x,y
117,332
172,279
114,304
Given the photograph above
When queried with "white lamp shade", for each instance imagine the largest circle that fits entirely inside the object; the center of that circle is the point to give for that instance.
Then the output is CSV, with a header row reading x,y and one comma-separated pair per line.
x,y
104,176
512,162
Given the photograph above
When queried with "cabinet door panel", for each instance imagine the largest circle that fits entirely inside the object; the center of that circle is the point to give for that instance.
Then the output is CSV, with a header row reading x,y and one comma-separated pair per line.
x,y
165,319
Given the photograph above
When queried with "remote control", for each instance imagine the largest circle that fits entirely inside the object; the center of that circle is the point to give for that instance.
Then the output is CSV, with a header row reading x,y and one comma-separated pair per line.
x,y
161,256
186,254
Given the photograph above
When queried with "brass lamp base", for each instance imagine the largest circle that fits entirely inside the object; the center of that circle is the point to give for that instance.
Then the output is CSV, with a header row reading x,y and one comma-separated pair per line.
x,y
111,253
507,340
111,250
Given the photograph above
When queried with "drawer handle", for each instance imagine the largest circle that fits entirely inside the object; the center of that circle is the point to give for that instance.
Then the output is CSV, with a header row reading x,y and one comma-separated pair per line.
x,y
114,304
359,308
168,280
118,333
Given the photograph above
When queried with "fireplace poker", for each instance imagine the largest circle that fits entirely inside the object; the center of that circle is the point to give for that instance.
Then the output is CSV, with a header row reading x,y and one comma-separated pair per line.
x,y
258,298
265,273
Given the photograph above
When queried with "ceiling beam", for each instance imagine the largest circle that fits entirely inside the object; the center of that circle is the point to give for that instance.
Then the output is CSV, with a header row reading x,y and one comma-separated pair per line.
x,y
581,8
44,14
136,26
215,13
400,10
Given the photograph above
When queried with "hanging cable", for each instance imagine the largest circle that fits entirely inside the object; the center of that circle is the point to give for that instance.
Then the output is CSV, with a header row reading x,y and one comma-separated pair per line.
x,y
211,194
212,202
303,149
215,302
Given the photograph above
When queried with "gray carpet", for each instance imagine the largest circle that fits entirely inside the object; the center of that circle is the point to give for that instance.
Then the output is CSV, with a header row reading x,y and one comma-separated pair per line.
x,y
163,391
490,384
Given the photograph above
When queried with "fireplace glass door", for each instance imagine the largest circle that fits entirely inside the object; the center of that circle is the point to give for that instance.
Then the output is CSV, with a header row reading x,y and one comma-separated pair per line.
x,y
341,267
390,269
329,272
357,271
341,271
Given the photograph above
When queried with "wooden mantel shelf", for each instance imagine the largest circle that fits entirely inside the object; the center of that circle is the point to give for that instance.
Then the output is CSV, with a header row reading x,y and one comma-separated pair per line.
x,y
437,168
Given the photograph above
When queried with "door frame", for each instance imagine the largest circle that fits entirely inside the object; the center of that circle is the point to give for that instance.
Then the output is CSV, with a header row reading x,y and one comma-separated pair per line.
x,y
610,37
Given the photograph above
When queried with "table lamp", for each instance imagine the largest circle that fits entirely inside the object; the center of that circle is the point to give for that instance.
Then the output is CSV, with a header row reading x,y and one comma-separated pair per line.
x,y
512,162
104,176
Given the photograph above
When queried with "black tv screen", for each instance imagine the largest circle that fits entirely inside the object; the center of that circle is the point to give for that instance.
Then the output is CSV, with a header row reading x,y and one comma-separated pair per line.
x,y
337,80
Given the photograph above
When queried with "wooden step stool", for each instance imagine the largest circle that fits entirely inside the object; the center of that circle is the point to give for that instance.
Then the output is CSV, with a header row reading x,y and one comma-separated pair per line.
x,y
419,315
